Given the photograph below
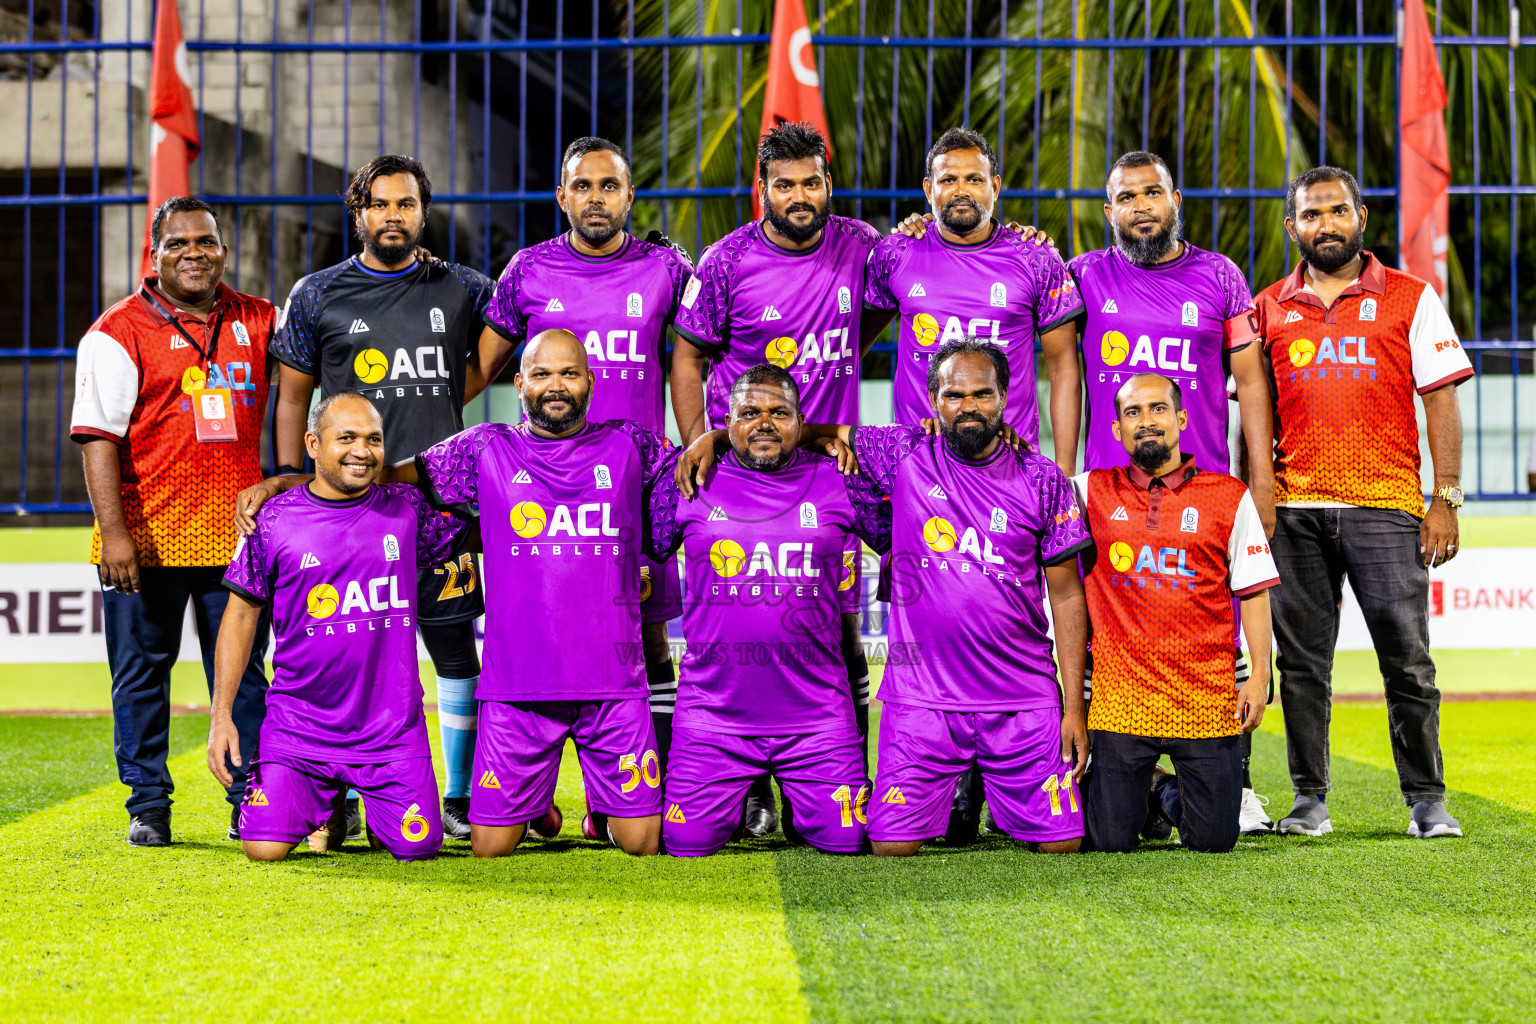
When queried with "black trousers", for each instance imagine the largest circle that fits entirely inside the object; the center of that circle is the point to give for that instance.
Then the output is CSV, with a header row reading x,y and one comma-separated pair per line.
x,y
143,633
1203,802
1378,549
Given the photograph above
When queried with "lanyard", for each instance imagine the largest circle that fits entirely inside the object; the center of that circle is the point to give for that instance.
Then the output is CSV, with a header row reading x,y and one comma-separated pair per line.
x,y
218,319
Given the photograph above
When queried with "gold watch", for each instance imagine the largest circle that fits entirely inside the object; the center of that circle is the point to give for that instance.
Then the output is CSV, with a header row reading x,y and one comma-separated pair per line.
x,y
1451,495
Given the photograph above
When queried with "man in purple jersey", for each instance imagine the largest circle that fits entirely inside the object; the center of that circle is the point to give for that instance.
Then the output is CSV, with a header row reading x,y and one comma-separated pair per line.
x,y
618,294
1153,303
736,313
982,535
763,683
973,278
336,559
559,500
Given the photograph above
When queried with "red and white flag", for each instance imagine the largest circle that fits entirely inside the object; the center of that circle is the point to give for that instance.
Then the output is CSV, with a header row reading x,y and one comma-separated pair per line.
x,y
1423,199
793,92
173,141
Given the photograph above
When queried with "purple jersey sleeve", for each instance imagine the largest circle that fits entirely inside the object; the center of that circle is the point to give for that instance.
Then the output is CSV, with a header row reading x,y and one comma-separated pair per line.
x,y
877,278
703,314
503,310
880,450
654,448
449,471
1056,297
1063,532
438,534
663,530
681,269
871,512
1235,287
251,571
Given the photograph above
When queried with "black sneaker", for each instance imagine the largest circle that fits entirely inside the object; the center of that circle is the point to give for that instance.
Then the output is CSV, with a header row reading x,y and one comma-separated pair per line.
x,y
1157,826
354,820
456,817
233,835
150,827
965,812
762,817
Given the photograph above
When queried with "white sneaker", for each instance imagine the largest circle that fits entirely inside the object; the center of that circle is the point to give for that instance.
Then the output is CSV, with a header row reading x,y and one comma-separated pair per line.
x,y
1251,819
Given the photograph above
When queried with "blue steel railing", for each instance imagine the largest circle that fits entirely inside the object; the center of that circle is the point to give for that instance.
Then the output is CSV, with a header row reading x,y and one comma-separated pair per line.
x,y
502,31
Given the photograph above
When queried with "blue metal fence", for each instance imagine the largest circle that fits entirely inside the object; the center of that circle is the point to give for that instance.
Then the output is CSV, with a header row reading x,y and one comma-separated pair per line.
x,y
292,93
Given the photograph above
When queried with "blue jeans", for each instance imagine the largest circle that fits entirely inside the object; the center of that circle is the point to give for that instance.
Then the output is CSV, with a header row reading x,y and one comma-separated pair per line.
x,y
1378,550
143,633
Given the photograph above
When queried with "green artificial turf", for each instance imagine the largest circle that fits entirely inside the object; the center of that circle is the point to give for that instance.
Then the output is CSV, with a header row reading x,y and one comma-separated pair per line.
x,y
1365,924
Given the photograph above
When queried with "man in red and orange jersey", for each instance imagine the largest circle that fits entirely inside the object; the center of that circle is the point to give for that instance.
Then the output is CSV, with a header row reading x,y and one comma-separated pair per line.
x,y
1347,343
1174,544
170,393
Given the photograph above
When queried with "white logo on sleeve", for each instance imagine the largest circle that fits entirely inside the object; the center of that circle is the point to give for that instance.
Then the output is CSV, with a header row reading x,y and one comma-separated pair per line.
x,y
391,548
844,300
309,561
522,477
691,292
439,323
999,522
603,477
808,515
1191,315
1191,521
937,492
1110,307
553,306
1292,317
242,336
917,292
1368,309
999,294
1120,516
632,306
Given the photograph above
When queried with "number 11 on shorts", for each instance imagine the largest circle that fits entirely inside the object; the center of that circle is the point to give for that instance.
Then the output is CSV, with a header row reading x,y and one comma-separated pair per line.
x,y
1057,785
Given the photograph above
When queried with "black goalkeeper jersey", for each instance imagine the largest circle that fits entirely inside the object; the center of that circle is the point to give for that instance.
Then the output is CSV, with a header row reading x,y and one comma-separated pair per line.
x,y
402,339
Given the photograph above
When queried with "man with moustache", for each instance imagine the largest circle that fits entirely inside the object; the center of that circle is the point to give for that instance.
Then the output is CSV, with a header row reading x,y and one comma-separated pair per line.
x,y
1175,544
335,561
560,501
619,294
1348,342
787,289
982,535
763,688
170,394
399,330
1152,302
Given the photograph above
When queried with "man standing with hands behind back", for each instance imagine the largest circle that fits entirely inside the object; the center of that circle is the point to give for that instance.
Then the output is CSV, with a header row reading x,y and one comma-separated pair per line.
x,y
170,392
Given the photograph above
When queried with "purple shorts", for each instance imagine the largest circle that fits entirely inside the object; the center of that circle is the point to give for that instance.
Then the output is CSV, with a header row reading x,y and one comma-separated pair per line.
x,y
288,797
517,758
661,590
923,752
708,773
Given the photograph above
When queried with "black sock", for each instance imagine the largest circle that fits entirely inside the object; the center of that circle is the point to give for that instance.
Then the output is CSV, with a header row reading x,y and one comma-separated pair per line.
x,y
1247,757
661,677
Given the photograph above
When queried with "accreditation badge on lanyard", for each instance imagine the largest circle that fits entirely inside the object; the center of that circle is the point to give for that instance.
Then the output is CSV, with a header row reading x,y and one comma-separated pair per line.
x,y
213,409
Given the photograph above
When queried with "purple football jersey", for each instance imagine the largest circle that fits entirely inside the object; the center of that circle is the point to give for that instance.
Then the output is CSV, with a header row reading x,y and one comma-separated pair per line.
x,y
561,523
341,579
620,306
1005,290
751,301
1168,318
969,544
765,565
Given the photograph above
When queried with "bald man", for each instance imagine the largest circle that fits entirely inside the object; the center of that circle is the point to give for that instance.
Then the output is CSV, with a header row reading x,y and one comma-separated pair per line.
x,y
559,501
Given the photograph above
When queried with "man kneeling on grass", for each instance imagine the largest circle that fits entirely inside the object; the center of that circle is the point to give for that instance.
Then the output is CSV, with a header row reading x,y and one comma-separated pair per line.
x,y
1173,546
337,560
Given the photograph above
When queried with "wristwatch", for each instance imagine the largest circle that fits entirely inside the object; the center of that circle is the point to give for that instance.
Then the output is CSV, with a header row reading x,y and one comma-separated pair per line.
x,y
1451,495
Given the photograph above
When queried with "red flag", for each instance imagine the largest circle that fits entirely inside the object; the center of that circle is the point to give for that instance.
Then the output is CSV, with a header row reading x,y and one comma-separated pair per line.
x,y
173,141
1425,162
793,92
